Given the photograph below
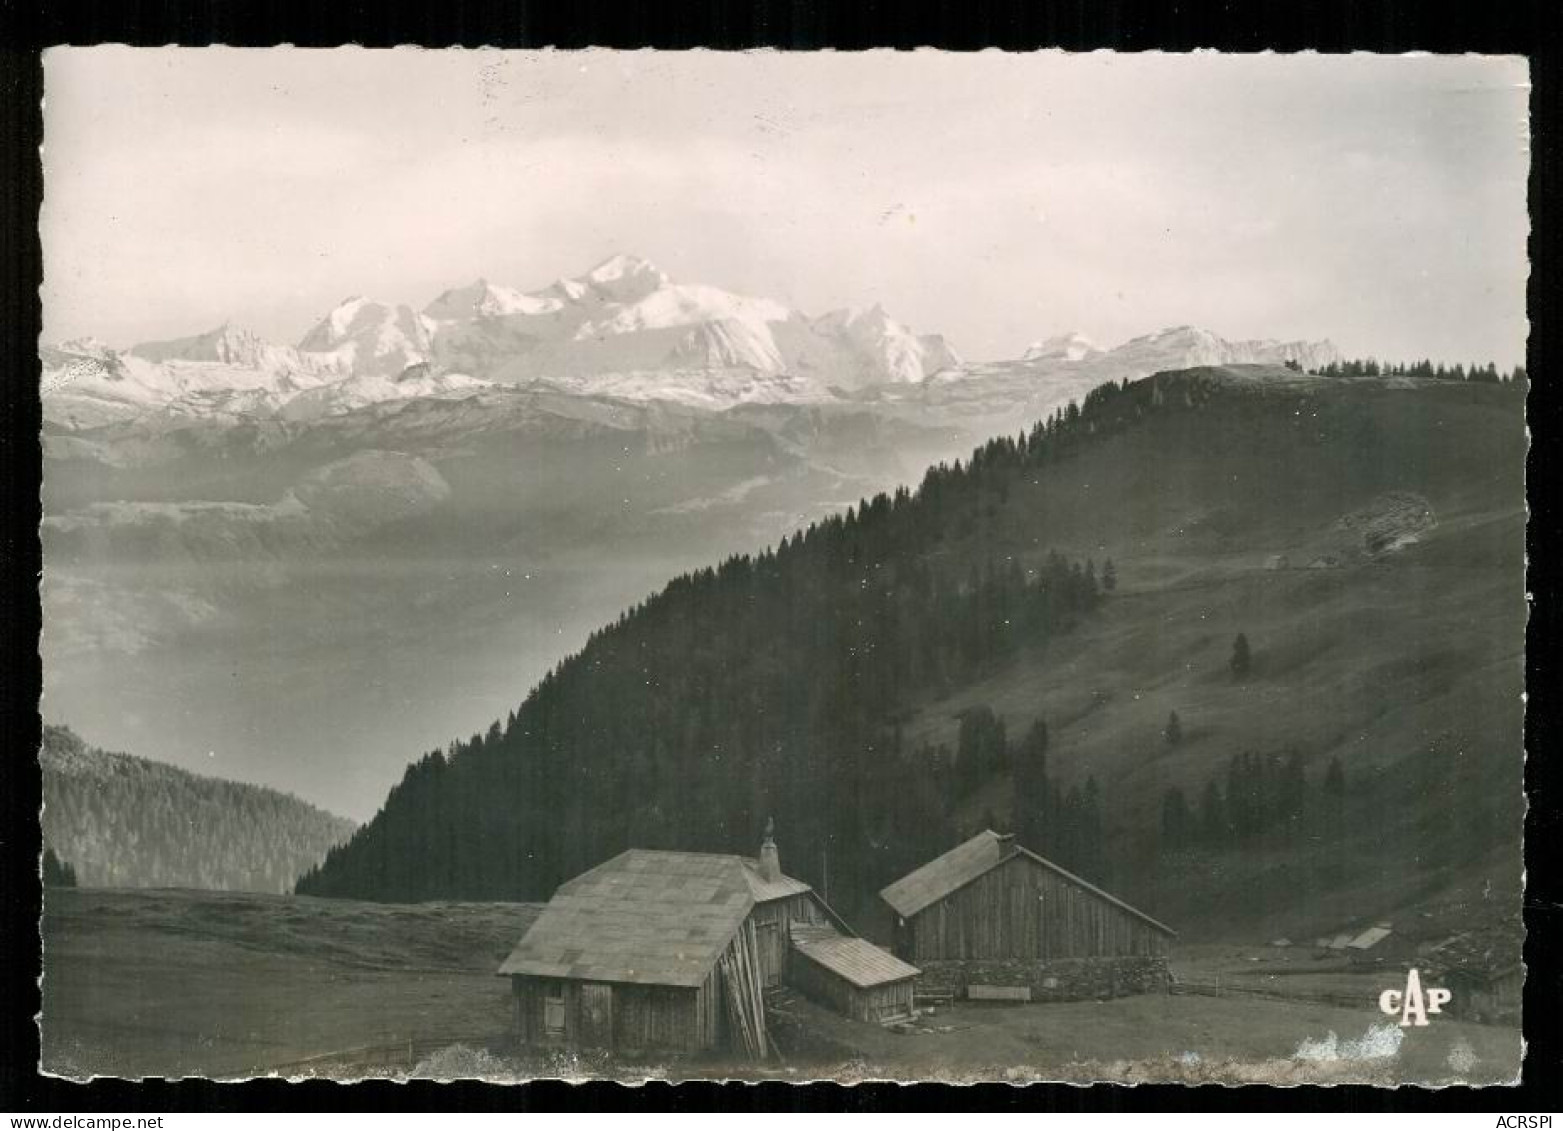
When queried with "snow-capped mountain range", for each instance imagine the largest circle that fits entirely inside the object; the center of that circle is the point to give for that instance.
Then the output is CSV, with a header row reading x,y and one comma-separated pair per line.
x,y
437,500
1073,346
623,330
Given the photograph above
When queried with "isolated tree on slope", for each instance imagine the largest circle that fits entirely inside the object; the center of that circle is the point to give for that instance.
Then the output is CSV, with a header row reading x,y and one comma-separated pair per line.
x,y
1242,661
1109,576
1174,732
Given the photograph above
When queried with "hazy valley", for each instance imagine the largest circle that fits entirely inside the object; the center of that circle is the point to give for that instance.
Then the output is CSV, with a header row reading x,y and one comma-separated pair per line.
x,y
302,565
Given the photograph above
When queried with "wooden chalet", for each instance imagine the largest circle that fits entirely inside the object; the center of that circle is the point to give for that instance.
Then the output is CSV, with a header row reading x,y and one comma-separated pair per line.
x,y
1483,969
672,951
990,911
1492,995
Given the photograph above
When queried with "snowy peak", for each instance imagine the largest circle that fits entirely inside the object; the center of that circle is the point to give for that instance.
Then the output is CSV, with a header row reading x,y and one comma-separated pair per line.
x,y
623,325
372,338
1073,346
624,278
1181,347
625,316
886,351
565,290
862,323
684,304
350,319
226,345
483,299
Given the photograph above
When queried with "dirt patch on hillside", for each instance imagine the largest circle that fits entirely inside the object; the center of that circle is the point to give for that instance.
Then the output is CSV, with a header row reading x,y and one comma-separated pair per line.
x,y
1391,522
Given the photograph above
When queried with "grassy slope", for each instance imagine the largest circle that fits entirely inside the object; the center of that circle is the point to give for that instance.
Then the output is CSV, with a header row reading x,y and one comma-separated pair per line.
x,y
1161,1038
175,983
171,983
1373,661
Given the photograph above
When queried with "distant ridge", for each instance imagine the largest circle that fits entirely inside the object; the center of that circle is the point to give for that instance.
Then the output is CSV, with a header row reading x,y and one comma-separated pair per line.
x,y
122,821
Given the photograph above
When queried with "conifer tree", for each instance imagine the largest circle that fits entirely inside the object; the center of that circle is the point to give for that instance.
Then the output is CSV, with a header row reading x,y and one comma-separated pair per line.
x,y
1242,660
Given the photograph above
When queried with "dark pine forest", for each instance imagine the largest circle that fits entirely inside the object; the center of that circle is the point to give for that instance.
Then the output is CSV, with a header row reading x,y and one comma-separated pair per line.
x,y
770,685
780,684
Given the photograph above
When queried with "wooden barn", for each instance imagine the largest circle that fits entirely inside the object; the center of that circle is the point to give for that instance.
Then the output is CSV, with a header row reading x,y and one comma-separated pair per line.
x,y
991,915
673,951
1493,996
1483,969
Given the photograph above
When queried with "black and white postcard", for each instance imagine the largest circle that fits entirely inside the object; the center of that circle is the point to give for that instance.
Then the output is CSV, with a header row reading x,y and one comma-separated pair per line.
x,y
794,566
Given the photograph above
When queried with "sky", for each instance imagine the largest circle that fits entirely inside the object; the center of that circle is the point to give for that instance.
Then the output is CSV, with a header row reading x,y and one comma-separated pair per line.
x,y
995,198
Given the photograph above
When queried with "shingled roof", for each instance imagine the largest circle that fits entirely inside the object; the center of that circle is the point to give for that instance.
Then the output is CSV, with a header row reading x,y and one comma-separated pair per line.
x,y
1490,950
644,917
943,875
858,961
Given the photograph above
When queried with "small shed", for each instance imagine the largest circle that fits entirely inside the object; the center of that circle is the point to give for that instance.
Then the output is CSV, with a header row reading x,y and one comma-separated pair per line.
x,y
850,975
1371,937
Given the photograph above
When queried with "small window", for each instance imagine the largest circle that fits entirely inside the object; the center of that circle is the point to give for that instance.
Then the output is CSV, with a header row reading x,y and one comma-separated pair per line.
x,y
553,1009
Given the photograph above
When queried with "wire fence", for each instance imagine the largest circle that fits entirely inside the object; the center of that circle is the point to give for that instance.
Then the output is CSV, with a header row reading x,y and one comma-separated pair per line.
x,y
1220,988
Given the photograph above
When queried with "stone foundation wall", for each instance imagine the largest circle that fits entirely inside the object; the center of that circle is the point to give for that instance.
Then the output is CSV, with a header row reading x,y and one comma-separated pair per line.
x,y
1062,979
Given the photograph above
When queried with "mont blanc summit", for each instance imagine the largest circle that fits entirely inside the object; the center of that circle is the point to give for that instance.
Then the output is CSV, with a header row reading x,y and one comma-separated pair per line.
x,y
624,330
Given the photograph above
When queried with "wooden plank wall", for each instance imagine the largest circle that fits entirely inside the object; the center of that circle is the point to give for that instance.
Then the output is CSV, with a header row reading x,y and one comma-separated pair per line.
x,y
656,1017
527,1007
819,984
828,988
774,921
710,1012
1023,910
668,1018
881,1003
528,995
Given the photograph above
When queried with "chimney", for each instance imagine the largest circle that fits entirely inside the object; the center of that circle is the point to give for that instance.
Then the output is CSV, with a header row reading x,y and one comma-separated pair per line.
x,y
770,859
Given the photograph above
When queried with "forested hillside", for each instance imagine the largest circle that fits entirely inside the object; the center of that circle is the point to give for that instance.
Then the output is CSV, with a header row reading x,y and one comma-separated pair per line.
x,y
993,647
119,821
767,686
